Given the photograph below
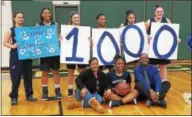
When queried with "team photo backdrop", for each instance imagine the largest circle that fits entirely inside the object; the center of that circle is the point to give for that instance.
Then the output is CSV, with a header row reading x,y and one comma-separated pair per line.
x,y
37,42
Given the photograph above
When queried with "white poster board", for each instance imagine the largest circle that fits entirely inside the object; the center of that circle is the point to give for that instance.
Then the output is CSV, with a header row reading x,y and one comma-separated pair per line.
x,y
106,44
164,43
134,41
75,45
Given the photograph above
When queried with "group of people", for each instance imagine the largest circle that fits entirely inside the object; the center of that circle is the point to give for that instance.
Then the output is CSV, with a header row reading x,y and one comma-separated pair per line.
x,y
95,87
91,83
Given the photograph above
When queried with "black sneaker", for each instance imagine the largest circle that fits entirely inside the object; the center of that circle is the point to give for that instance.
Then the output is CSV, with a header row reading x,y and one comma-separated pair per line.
x,y
149,103
162,103
58,93
45,94
70,92
14,101
31,99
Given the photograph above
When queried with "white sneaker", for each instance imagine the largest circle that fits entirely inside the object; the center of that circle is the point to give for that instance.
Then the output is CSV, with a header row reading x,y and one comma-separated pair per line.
x,y
110,104
135,101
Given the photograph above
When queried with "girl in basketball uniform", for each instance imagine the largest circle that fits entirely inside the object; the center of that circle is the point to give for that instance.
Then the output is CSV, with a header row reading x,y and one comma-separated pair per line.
x,y
116,78
18,67
101,23
159,18
74,20
49,63
130,19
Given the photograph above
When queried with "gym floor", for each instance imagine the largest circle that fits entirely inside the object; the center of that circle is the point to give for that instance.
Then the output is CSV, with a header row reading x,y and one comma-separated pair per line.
x,y
179,76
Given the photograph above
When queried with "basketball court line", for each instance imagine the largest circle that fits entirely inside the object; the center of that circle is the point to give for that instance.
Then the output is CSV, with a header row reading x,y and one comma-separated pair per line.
x,y
138,110
188,72
60,108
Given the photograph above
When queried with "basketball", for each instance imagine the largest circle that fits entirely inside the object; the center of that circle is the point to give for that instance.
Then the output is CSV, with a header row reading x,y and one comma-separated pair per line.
x,y
122,88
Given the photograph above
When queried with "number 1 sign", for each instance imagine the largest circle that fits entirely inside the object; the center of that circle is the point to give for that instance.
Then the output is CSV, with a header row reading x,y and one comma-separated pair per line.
x,y
75,45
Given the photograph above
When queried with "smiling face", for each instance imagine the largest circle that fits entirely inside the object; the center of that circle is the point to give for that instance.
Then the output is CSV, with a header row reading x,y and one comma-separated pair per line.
x,y
18,19
119,65
131,19
101,21
159,12
46,15
75,19
94,65
144,60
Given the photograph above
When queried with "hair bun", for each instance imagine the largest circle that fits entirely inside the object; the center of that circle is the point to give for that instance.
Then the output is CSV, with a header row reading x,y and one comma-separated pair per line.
x,y
157,6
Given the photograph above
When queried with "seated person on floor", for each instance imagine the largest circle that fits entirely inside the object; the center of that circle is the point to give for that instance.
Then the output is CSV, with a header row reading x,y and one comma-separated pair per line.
x,y
91,84
148,83
120,83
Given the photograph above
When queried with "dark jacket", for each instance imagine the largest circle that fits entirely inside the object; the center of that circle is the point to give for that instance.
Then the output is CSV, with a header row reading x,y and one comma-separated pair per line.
x,y
88,80
153,75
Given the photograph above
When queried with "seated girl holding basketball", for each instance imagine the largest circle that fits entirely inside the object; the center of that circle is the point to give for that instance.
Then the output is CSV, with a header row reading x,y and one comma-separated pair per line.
x,y
120,83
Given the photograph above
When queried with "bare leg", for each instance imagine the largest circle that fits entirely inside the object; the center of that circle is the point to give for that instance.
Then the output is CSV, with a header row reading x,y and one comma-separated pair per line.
x,y
163,72
44,78
70,76
56,76
113,97
129,97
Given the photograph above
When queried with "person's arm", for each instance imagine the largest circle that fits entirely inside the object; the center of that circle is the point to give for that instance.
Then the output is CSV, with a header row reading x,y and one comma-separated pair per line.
x,y
7,39
121,25
109,81
169,21
140,78
58,31
109,86
157,79
147,23
37,24
128,79
79,80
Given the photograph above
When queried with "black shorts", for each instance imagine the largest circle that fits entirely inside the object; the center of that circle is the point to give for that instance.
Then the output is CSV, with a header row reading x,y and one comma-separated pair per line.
x,y
159,61
73,66
50,63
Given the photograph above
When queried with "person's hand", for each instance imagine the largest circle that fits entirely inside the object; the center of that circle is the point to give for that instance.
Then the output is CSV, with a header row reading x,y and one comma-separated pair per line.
x,y
149,38
91,43
83,92
15,45
90,39
60,38
154,96
179,40
108,92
